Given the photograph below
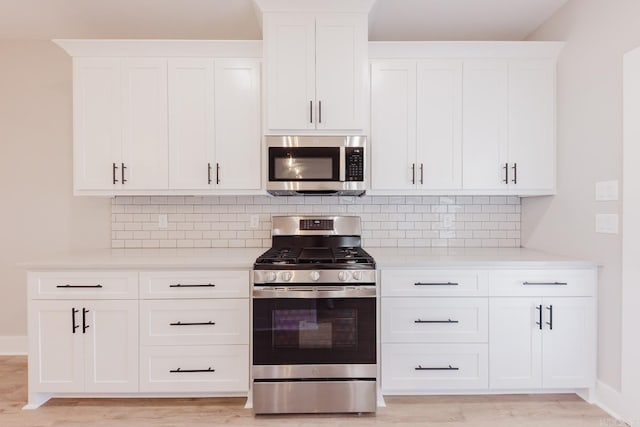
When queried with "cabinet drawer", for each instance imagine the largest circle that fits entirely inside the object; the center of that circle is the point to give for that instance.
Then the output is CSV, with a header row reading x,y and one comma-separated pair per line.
x,y
410,368
433,283
543,282
203,369
194,284
83,285
414,320
194,322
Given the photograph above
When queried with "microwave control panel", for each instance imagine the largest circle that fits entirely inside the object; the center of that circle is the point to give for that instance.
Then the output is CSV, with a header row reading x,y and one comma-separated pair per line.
x,y
354,159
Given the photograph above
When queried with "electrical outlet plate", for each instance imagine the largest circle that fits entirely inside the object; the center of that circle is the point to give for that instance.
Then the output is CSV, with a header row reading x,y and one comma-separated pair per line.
x,y
607,223
162,221
607,190
255,221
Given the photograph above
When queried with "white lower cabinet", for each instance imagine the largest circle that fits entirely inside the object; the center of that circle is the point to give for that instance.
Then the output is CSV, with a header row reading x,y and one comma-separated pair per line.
x,y
219,368
523,330
409,368
542,342
83,346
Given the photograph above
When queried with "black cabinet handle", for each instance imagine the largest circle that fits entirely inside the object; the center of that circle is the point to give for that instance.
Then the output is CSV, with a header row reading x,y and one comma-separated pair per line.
x,y
311,111
435,284
208,173
73,320
539,322
183,371
319,111
122,172
79,286
515,173
544,283
448,368
179,285
413,173
506,173
191,323
421,173
217,173
113,171
550,322
436,321
84,320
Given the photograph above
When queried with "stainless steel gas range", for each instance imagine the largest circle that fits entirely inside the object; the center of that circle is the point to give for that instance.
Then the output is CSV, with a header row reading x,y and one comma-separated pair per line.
x,y
314,319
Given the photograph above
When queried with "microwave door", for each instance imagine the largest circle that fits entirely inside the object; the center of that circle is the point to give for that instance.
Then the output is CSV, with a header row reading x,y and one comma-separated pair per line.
x,y
293,164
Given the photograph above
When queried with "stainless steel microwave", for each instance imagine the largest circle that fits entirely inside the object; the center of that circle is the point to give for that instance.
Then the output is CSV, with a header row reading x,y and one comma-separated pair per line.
x,y
332,165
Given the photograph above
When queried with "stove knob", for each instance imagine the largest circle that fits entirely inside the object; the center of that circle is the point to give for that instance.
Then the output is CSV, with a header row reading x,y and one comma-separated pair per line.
x,y
285,275
271,276
343,276
357,275
315,276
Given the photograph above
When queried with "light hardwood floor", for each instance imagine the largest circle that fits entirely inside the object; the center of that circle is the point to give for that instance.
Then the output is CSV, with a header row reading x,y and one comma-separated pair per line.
x,y
436,411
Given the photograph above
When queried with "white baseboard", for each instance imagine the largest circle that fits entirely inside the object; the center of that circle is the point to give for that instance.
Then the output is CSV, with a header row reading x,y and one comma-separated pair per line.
x,y
609,400
13,345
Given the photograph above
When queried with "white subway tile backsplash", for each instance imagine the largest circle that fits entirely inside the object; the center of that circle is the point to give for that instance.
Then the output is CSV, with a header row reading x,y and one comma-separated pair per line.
x,y
387,221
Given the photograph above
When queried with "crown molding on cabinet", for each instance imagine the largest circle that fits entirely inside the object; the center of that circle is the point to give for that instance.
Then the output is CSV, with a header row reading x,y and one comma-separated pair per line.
x,y
465,49
330,6
162,48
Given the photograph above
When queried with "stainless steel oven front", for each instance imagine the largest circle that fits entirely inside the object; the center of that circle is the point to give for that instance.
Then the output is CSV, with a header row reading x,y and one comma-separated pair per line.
x,y
314,349
316,165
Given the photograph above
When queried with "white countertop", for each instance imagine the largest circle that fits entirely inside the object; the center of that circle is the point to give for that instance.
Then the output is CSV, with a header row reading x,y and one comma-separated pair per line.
x,y
241,258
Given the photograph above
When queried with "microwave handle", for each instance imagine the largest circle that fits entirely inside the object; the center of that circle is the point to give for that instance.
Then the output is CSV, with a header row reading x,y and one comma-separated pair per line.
x,y
343,166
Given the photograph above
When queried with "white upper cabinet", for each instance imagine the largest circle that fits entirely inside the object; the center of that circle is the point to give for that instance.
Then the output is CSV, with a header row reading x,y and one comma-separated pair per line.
x,y
393,124
191,123
416,114
476,118
316,69
120,124
237,127
144,127
484,130
97,122
166,117
214,124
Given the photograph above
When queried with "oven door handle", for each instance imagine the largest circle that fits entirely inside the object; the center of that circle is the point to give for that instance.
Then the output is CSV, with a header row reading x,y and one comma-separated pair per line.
x,y
263,293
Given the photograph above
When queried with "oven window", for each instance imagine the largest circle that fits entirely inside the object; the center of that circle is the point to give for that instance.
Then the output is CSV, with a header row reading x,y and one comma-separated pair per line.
x,y
314,331
304,164
305,328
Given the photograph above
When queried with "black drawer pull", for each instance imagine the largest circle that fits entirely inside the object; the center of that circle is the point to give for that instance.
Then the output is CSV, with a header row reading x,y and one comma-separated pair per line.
x,y
73,320
436,321
436,284
545,283
184,371
179,285
550,322
79,286
448,368
191,323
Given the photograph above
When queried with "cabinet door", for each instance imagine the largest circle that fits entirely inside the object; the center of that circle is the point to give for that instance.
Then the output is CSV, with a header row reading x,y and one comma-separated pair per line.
x,y
191,123
97,136
439,120
341,71
111,346
289,51
145,132
56,362
515,343
568,350
393,125
484,129
237,131
532,125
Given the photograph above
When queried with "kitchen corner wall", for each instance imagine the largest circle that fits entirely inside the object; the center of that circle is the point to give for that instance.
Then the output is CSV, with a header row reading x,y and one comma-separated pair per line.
x,y
387,221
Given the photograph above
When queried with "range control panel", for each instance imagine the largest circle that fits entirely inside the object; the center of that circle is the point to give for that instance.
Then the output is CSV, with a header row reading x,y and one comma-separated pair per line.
x,y
354,159
316,224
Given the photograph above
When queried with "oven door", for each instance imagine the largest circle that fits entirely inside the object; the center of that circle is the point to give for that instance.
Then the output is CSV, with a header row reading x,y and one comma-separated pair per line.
x,y
314,330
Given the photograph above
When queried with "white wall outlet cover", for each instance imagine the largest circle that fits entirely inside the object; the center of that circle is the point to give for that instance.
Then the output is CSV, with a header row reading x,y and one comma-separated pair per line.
x,y
607,190
607,223
162,221
255,221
